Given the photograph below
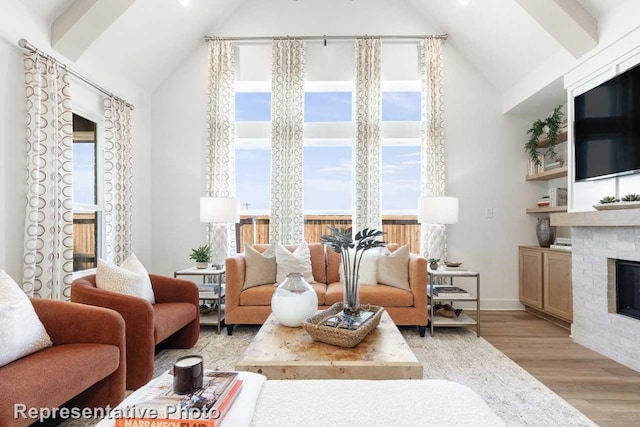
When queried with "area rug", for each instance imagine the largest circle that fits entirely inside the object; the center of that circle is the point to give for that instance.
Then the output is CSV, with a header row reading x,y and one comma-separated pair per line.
x,y
454,354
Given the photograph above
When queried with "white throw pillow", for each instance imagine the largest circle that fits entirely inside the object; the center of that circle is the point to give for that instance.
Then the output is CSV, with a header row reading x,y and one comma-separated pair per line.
x,y
393,268
260,268
297,262
131,278
368,266
21,331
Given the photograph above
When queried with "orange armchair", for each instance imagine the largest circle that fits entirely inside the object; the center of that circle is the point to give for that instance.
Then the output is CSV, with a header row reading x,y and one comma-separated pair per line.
x,y
85,367
174,320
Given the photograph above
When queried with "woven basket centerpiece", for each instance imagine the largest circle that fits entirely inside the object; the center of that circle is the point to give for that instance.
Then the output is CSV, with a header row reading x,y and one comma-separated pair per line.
x,y
332,327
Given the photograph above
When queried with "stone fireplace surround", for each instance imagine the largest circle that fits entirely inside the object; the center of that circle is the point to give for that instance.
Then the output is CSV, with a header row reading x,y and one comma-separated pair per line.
x,y
598,239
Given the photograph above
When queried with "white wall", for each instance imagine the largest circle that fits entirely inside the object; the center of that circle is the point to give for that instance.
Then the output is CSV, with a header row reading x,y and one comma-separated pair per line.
x,y
16,23
486,160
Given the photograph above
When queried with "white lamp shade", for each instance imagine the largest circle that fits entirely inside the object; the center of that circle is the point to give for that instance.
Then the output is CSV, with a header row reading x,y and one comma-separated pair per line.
x,y
220,210
438,210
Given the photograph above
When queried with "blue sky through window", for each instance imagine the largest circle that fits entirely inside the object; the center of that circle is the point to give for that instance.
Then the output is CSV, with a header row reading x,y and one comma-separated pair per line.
x,y
401,106
84,169
327,169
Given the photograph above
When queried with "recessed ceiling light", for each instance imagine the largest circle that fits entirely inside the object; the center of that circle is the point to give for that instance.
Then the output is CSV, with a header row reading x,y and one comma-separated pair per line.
x,y
184,2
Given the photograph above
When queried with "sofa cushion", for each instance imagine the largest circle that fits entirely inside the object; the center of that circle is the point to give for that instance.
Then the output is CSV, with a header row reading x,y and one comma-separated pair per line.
x,y
261,295
334,259
298,261
68,369
372,294
368,271
130,278
21,331
171,317
393,268
260,266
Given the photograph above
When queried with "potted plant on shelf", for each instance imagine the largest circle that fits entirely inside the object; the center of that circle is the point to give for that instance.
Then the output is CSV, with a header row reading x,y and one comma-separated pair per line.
x,y
201,255
433,263
551,125
341,241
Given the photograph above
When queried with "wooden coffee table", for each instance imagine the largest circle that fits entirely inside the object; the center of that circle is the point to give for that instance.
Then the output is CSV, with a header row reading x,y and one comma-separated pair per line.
x,y
282,353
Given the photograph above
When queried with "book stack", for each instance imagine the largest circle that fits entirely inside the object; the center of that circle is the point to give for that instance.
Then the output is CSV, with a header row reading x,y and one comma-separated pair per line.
x,y
450,292
563,243
533,168
206,407
553,165
558,196
544,201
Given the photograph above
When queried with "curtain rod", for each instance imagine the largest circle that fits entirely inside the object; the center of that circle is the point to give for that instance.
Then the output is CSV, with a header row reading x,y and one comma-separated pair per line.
x,y
28,46
325,38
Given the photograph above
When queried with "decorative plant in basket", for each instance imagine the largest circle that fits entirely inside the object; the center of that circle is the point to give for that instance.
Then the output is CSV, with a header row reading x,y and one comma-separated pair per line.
x,y
341,241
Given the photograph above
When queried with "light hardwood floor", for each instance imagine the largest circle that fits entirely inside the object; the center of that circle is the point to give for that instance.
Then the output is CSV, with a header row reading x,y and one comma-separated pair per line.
x,y
605,391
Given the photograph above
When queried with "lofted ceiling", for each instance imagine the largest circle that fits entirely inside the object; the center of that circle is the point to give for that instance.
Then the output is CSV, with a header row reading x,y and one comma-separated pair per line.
x,y
507,41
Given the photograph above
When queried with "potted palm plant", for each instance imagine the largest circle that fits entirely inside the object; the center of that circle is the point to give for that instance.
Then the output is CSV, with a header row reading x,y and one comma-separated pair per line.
x,y
201,255
342,242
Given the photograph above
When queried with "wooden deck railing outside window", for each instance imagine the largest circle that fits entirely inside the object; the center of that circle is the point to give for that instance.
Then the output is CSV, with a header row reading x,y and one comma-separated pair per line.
x,y
401,229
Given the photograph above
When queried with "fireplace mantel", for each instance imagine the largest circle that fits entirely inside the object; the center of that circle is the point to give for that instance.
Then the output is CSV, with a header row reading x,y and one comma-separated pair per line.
x,y
609,218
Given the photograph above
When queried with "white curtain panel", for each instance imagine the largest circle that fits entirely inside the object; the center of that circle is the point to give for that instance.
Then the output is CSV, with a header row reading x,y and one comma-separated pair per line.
x,y
286,224
432,172
118,179
48,237
367,162
221,157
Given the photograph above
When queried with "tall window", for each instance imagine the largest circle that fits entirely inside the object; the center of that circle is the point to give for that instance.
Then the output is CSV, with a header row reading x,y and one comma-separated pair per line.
x,y
87,197
329,136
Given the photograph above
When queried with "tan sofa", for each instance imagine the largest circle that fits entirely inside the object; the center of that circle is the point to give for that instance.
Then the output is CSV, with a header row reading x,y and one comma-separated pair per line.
x,y
253,306
85,367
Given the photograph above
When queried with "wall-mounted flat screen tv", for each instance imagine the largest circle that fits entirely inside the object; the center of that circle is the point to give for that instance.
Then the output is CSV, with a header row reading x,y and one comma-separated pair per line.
x,y
607,128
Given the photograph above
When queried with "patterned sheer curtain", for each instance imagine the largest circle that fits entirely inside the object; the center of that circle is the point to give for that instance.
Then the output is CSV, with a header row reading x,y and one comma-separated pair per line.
x,y
432,173
367,160
221,159
286,224
118,179
48,237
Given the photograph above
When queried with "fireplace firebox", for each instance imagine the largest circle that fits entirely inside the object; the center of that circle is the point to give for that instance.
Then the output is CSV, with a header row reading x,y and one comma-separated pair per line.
x,y
628,288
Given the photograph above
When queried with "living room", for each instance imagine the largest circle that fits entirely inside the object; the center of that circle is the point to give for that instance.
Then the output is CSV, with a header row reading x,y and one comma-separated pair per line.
x,y
506,64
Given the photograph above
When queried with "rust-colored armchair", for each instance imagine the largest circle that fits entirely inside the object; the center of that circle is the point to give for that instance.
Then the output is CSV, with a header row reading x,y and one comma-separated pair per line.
x,y
85,367
174,320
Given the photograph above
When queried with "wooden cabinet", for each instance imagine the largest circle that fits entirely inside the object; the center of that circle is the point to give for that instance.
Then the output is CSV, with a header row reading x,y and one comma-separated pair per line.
x,y
545,282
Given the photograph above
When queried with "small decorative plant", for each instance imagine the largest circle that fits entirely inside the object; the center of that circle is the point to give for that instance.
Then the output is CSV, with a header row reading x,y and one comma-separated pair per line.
x,y
201,255
631,198
341,241
609,199
552,126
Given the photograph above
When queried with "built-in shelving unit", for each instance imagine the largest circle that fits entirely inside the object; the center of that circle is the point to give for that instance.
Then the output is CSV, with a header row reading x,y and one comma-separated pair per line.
x,y
547,209
550,174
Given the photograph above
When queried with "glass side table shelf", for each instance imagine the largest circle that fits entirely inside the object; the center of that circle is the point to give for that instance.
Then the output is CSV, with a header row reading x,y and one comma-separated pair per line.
x,y
462,320
212,291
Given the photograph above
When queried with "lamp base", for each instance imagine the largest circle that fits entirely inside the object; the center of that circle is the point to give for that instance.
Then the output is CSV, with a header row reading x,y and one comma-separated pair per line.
x,y
436,241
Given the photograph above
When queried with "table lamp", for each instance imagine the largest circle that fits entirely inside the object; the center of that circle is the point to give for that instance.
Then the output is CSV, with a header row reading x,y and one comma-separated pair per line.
x,y
220,211
436,211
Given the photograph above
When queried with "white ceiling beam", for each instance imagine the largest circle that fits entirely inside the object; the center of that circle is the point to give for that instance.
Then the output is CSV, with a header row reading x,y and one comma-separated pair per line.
x,y
567,22
83,22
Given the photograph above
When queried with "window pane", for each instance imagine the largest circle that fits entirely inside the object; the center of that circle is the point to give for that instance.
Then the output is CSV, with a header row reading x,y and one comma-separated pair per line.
x,y
327,106
253,178
327,178
85,229
401,106
253,106
400,178
84,173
